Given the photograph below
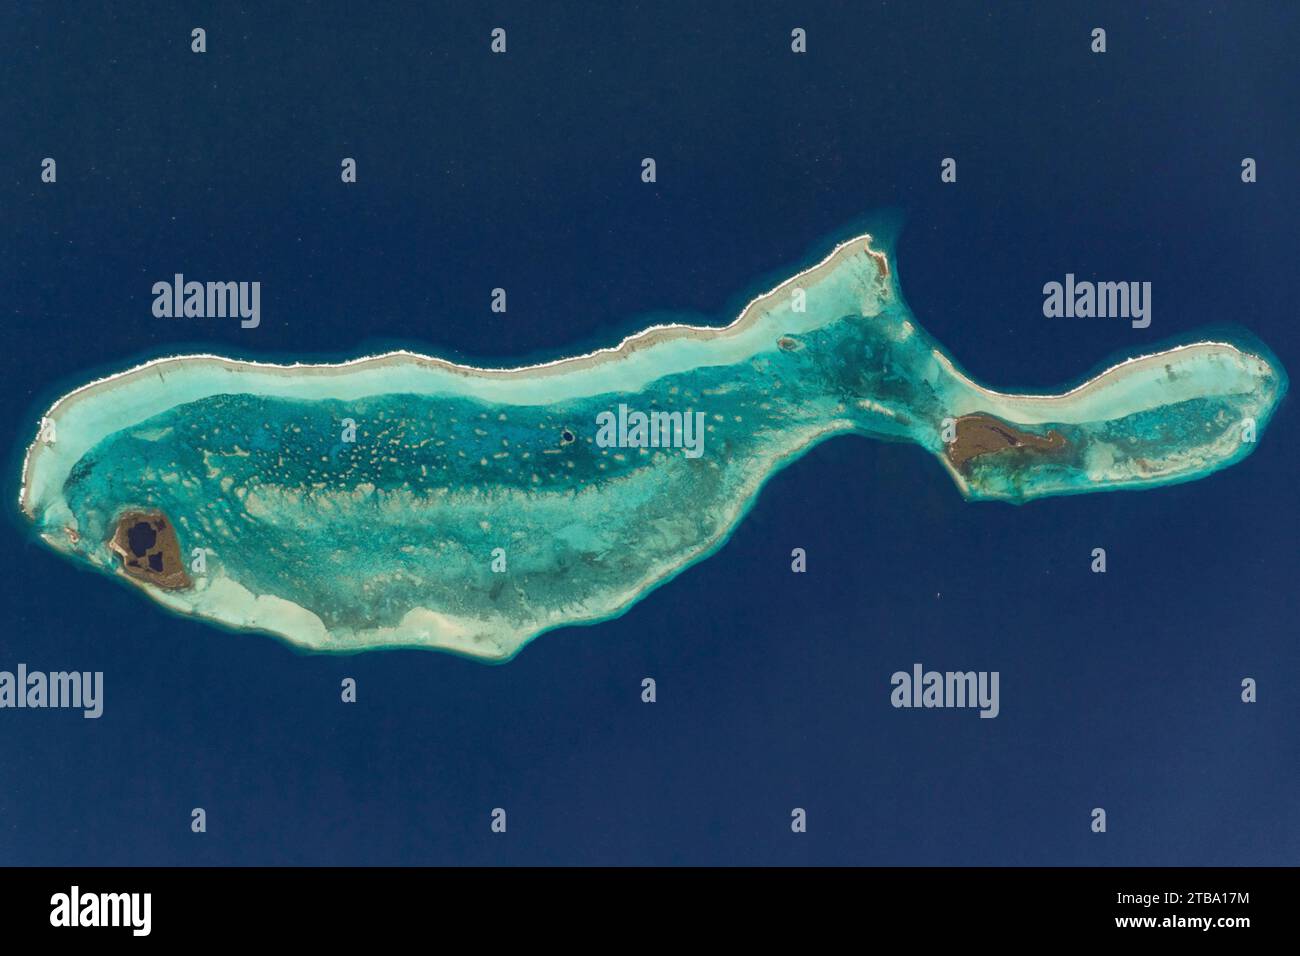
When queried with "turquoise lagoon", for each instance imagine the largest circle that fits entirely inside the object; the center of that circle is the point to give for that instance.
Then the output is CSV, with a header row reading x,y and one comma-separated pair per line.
x,y
404,500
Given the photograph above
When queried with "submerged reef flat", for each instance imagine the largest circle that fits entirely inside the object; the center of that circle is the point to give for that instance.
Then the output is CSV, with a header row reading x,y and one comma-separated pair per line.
x,y
404,500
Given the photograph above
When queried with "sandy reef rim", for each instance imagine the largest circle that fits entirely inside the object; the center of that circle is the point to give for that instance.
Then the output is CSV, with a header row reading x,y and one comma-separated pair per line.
x,y
628,346
632,343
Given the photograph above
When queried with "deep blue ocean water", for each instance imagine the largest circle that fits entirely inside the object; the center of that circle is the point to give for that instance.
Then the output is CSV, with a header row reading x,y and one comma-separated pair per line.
x,y
477,171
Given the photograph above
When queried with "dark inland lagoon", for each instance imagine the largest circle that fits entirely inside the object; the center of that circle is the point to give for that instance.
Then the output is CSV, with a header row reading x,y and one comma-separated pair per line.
x,y
1120,690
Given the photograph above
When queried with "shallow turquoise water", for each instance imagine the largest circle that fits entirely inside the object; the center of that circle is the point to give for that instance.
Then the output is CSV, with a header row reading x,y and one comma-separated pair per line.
x,y
434,508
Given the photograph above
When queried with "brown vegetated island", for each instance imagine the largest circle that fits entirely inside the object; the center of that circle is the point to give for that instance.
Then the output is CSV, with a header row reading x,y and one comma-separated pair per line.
x,y
981,434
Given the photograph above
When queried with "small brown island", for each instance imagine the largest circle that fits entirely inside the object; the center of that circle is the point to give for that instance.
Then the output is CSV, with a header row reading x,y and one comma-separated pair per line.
x,y
981,434
150,551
